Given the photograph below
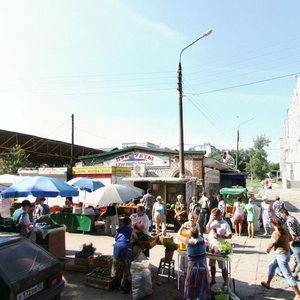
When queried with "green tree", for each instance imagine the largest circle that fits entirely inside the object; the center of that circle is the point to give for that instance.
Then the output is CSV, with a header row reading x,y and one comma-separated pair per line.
x,y
242,161
258,164
12,161
217,154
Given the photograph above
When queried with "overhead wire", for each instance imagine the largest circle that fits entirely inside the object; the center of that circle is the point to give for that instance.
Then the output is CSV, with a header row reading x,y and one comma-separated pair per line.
x,y
245,84
43,141
131,87
94,135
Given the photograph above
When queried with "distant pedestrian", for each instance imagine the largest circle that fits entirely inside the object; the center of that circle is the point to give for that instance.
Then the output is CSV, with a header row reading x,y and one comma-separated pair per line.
x,y
196,209
251,217
205,210
238,216
221,205
148,201
266,215
111,220
280,242
159,212
181,212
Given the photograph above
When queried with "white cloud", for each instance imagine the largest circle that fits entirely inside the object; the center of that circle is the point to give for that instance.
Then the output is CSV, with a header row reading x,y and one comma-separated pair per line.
x,y
155,26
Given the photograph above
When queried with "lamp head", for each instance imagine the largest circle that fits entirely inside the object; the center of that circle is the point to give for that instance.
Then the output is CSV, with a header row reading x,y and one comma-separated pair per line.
x,y
206,33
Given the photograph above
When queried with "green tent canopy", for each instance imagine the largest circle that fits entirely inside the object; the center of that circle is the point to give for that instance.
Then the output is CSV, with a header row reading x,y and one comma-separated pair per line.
x,y
230,194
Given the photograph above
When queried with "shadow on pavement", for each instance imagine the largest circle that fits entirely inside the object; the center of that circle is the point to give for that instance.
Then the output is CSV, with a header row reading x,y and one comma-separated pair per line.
x,y
251,292
243,251
236,246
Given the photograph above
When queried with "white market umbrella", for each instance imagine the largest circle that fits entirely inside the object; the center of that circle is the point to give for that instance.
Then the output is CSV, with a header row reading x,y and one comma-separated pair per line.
x,y
113,193
9,179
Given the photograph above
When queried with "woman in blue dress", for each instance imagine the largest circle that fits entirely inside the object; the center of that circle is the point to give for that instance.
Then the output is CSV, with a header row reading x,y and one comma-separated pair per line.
x,y
196,284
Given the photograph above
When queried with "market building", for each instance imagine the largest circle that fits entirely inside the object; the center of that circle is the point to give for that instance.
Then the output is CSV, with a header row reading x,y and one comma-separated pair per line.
x,y
290,143
158,169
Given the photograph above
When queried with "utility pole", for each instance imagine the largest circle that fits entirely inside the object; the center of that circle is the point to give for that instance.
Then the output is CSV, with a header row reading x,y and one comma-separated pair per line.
x,y
181,139
238,140
72,143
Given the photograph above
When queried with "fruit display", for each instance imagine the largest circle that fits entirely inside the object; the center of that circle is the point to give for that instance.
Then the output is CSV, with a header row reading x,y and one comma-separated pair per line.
x,y
129,204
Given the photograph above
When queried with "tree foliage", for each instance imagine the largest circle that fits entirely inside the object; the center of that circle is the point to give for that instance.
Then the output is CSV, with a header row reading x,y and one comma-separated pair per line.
x,y
242,160
258,164
12,161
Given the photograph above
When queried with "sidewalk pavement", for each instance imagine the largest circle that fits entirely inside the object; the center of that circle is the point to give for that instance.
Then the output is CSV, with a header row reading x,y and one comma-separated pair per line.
x,y
249,265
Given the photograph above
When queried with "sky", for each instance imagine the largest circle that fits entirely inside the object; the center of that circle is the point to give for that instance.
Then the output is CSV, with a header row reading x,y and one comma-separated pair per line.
x,y
113,64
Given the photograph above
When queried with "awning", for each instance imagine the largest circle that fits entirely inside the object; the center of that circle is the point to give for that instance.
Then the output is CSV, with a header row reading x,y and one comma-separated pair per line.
x,y
215,164
160,179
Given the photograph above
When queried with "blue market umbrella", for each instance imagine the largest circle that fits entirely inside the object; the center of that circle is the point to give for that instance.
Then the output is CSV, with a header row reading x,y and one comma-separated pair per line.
x,y
86,184
40,186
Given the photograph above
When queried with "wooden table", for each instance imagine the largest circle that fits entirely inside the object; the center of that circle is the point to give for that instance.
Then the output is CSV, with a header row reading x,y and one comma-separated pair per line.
x,y
226,259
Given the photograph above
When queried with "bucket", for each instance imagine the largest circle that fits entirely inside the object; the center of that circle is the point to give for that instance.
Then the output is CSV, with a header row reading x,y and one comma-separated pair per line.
x,y
185,233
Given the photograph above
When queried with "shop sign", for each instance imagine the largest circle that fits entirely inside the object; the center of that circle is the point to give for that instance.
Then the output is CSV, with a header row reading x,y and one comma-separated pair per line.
x,y
101,170
140,159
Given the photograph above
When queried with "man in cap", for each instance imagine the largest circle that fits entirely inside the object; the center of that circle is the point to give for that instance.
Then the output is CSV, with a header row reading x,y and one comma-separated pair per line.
x,y
21,218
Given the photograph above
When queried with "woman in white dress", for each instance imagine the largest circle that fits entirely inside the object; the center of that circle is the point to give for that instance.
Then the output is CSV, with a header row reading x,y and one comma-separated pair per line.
x,y
266,215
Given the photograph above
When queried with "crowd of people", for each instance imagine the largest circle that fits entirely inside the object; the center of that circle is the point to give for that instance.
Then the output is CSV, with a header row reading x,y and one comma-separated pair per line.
x,y
274,218
191,222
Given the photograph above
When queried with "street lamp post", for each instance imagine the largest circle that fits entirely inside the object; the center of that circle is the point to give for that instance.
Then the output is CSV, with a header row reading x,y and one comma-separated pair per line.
x,y
238,140
181,139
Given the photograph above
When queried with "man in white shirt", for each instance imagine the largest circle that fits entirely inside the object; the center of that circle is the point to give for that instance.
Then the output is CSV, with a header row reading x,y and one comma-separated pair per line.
x,y
219,230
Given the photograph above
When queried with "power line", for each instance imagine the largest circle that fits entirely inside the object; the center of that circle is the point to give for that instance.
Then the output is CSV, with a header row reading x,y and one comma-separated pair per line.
x,y
94,93
245,84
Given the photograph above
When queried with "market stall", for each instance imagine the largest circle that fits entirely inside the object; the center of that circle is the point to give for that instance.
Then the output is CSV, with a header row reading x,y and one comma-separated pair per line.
x,y
76,222
230,194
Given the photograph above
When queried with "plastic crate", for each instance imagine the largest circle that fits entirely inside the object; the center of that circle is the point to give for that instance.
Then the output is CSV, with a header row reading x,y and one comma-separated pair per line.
x,y
99,283
103,264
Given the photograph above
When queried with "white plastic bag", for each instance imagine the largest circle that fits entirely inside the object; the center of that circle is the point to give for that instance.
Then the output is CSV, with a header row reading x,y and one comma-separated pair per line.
x,y
141,279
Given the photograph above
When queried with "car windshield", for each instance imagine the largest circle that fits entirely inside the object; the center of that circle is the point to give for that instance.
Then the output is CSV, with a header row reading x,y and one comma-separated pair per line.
x,y
20,259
